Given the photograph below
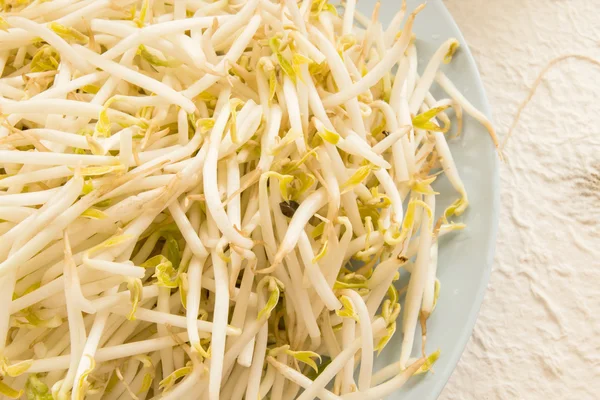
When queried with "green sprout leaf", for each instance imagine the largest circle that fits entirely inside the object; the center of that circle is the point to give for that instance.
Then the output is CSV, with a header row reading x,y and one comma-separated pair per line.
x,y
436,292
174,376
93,213
35,389
183,285
451,50
135,288
306,357
148,366
155,60
358,177
390,330
9,392
321,252
275,44
82,384
15,369
68,33
110,242
172,250
274,289
166,274
45,59
347,310
429,361
457,208
4,25
423,120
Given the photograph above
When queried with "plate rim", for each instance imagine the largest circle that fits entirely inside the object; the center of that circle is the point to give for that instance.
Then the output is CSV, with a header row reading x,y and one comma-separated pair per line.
x,y
455,353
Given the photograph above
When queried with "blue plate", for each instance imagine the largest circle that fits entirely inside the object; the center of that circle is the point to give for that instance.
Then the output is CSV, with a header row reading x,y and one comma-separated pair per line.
x,y
465,258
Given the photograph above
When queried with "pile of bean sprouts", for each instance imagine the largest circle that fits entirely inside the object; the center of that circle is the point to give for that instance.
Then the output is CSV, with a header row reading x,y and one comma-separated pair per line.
x,y
204,199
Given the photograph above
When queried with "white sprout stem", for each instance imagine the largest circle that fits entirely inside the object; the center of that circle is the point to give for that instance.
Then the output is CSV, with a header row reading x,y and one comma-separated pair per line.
x,y
240,387
299,295
364,320
163,310
89,350
394,25
347,374
213,202
48,212
164,317
348,21
390,189
429,292
193,300
448,164
234,214
64,107
188,232
279,383
247,127
52,38
232,55
411,76
293,109
182,127
299,378
125,269
306,210
390,141
7,285
220,318
238,377
384,389
267,381
241,19
245,357
313,271
137,78
355,145
77,333
342,79
37,158
414,294
422,88
308,47
152,33
348,199
398,152
60,91
383,271
457,96
267,141
338,363
374,75
292,7
333,190
329,338
260,348
404,119
358,243
105,302
189,383
15,214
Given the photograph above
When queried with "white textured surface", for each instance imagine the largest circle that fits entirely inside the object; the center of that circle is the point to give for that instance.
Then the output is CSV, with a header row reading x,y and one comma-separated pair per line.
x,y
538,333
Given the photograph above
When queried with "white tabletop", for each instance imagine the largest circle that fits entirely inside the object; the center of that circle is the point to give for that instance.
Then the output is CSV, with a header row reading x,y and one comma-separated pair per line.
x,y
538,333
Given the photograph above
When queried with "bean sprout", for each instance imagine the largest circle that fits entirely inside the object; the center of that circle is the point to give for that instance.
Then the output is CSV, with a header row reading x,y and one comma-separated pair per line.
x,y
214,199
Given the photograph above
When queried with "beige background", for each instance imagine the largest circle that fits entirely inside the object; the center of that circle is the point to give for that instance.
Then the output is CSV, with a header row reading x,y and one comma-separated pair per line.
x,y
538,333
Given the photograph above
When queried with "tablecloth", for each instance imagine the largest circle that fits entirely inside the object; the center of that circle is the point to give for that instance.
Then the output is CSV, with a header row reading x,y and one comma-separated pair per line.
x,y
538,333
